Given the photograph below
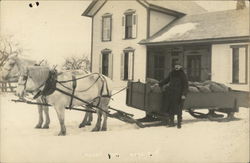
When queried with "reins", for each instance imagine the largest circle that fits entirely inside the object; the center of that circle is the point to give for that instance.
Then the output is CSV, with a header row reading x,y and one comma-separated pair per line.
x,y
73,89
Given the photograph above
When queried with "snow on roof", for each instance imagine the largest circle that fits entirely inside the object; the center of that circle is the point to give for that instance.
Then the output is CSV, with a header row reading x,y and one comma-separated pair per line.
x,y
222,24
177,31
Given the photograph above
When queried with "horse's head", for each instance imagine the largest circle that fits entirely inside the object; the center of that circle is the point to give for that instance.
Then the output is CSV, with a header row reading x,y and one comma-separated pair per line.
x,y
8,67
32,79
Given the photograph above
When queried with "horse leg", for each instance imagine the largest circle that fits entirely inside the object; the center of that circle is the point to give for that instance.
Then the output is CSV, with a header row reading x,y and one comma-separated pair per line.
x,y
90,118
60,114
98,122
104,125
46,111
105,103
40,114
84,121
87,118
47,121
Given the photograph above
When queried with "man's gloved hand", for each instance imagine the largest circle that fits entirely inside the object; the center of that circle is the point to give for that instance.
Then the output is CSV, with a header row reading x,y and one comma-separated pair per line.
x,y
155,85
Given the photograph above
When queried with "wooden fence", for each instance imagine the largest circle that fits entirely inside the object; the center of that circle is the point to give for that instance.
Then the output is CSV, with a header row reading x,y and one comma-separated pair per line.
x,y
7,86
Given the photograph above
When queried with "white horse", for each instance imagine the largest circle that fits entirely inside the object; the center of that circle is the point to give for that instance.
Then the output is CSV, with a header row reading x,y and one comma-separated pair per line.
x,y
92,88
11,69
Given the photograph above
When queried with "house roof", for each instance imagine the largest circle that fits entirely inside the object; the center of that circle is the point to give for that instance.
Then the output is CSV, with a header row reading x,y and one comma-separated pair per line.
x,y
167,6
207,27
186,7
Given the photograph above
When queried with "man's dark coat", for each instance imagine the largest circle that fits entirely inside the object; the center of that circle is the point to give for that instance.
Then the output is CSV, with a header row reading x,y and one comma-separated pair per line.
x,y
177,86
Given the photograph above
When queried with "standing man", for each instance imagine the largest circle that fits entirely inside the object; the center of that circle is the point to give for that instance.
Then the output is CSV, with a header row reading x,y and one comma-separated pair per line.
x,y
175,94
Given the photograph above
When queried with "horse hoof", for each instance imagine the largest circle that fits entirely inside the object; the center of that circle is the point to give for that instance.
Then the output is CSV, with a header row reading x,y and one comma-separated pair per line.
x,y
104,129
94,130
62,134
45,127
81,125
88,123
38,126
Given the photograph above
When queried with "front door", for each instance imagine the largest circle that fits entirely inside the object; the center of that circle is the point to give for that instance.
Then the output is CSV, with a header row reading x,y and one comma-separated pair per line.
x,y
194,67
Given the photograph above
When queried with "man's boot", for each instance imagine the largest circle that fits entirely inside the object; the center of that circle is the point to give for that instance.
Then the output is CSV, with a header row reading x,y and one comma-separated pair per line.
x,y
171,121
179,119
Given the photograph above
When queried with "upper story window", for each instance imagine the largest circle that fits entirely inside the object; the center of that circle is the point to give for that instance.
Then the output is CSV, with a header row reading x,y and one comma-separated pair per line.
x,y
129,24
239,64
106,27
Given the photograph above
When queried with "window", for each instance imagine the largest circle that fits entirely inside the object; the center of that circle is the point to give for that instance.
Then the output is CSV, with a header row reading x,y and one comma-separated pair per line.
x,y
129,24
159,67
194,67
239,64
106,27
106,63
127,64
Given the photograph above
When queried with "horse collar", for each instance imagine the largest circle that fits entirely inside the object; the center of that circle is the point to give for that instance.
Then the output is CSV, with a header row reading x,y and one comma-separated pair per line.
x,y
50,84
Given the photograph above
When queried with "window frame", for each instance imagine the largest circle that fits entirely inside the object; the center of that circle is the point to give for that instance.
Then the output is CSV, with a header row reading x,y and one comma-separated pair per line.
x,y
128,34
107,16
237,47
158,68
109,54
127,51
132,13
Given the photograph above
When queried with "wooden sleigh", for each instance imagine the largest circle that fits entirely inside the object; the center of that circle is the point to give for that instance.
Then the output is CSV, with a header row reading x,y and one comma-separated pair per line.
x,y
141,96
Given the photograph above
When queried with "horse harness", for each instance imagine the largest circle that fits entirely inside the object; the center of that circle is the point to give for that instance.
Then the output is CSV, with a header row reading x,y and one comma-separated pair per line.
x,y
50,87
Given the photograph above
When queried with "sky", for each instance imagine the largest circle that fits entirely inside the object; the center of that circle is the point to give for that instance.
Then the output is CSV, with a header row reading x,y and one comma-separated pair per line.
x,y
56,30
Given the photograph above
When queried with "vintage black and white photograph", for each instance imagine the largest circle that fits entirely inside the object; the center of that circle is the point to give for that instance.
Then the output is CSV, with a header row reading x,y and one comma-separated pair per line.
x,y
124,81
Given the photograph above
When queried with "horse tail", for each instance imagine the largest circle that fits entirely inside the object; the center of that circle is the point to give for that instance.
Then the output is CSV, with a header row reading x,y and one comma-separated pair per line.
x,y
107,85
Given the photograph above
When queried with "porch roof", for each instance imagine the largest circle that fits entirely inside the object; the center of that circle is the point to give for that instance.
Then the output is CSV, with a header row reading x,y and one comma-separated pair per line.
x,y
207,27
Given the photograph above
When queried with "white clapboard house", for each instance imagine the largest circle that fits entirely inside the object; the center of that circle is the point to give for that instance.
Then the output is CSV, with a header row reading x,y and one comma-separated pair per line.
x,y
135,40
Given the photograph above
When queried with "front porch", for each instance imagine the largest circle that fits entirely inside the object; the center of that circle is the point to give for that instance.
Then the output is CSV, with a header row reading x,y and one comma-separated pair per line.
x,y
196,61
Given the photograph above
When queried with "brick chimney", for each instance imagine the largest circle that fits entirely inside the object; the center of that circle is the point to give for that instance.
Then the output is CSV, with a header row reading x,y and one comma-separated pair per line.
x,y
241,4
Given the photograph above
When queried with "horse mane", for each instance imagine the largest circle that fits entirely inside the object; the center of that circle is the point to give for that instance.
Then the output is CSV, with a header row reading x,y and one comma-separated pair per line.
x,y
38,73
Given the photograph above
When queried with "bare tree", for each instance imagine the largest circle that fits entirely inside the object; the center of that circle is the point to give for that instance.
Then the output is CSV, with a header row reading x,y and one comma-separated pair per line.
x,y
7,48
77,63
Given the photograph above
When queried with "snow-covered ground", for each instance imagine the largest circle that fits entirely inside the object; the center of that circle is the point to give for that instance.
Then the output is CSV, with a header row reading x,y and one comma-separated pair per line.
x,y
197,141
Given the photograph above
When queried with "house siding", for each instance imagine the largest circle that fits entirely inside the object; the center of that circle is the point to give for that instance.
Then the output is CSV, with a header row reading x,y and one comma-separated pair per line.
x,y
158,20
118,44
222,66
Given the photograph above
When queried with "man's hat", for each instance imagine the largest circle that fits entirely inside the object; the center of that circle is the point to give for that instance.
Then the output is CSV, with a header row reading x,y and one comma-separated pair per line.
x,y
178,63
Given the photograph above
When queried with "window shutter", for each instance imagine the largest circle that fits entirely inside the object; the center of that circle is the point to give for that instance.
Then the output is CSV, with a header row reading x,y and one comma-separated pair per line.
x,y
134,26
123,27
130,65
230,77
102,30
110,29
122,66
110,65
242,65
100,64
